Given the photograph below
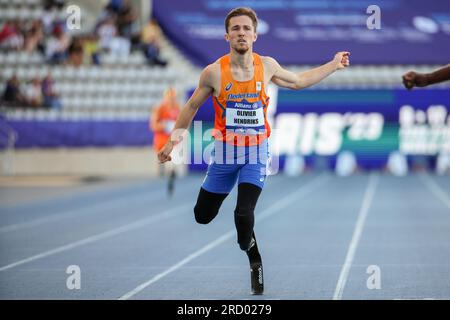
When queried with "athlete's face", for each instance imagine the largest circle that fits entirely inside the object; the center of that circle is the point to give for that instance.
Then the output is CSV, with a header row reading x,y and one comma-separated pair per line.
x,y
241,34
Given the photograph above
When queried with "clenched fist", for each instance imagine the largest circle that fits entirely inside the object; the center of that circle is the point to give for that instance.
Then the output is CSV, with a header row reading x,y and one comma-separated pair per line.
x,y
414,79
342,59
164,153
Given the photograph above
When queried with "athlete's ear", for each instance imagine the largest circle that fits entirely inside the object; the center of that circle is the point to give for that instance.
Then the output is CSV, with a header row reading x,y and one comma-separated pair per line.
x,y
256,37
227,37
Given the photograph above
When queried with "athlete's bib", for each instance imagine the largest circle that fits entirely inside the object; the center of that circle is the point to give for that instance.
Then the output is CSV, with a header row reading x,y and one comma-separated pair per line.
x,y
244,117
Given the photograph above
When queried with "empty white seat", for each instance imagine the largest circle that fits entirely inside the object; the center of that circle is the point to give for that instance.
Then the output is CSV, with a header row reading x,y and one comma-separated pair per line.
x,y
10,13
21,73
90,103
36,13
11,59
105,74
24,13
68,72
107,59
94,73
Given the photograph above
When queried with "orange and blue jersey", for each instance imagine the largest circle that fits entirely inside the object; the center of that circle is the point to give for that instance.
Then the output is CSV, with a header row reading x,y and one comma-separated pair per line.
x,y
241,107
241,151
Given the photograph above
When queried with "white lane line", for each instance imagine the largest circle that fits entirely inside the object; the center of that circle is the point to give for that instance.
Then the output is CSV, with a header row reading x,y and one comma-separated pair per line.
x,y
107,234
128,227
435,189
178,265
81,191
275,208
362,215
102,206
111,204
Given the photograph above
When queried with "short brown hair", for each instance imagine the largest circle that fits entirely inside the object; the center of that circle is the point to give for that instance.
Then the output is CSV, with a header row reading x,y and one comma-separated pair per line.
x,y
241,11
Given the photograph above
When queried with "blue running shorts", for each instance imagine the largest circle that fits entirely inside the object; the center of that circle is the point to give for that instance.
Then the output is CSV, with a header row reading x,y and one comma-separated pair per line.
x,y
229,164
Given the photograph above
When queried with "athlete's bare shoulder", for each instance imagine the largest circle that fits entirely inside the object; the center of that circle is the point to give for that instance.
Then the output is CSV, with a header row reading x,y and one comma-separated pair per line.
x,y
214,67
211,76
270,67
269,63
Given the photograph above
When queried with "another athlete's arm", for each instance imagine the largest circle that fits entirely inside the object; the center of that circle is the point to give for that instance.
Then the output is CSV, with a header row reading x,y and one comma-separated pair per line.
x,y
184,120
291,80
414,79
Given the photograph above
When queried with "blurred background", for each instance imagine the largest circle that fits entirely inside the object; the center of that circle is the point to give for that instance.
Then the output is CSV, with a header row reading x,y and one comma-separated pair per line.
x,y
79,81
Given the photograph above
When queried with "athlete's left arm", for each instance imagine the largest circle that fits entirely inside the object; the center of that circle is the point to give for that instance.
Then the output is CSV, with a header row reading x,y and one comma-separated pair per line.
x,y
287,79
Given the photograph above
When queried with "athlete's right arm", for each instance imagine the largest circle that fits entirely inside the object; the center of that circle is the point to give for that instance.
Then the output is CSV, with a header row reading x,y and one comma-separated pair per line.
x,y
202,92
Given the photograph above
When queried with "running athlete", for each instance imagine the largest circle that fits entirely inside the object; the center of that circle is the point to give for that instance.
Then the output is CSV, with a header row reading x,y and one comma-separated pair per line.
x,y
162,122
237,83
414,79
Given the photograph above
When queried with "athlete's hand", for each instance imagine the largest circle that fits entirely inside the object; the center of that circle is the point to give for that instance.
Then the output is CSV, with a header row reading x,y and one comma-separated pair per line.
x,y
342,60
164,153
413,79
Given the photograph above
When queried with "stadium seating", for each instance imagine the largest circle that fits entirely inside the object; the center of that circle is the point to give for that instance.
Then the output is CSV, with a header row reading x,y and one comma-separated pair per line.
x,y
128,84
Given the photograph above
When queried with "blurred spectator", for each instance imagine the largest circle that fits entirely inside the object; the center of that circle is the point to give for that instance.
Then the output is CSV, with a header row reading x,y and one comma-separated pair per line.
x,y
33,93
13,96
11,36
91,49
34,37
58,4
57,45
76,53
126,20
109,39
114,6
50,15
151,43
47,18
51,98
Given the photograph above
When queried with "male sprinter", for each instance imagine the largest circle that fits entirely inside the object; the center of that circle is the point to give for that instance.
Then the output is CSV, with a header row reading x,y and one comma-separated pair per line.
x,y
413,79
238,82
